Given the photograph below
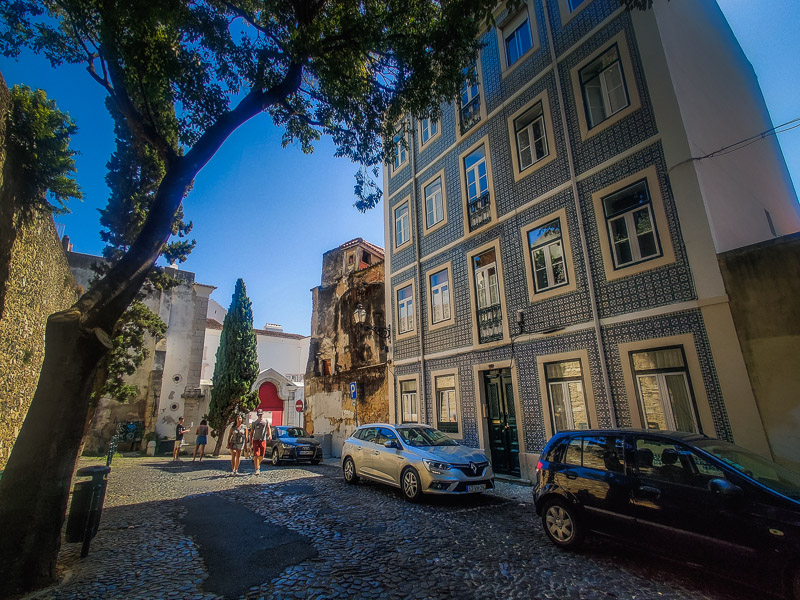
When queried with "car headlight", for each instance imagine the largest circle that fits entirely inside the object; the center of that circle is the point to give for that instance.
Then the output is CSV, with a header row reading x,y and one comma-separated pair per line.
x,y
435,466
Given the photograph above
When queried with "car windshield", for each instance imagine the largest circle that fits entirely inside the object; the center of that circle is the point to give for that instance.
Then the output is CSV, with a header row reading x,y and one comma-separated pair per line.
x,y
425,436
292,432
766,472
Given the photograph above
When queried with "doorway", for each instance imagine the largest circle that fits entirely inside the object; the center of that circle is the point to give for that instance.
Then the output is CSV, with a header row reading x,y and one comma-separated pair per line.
x,y
501,421
270,402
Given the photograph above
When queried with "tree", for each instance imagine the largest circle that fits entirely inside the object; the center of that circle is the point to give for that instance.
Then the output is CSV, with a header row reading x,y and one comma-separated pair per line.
x,y
237,365
185,74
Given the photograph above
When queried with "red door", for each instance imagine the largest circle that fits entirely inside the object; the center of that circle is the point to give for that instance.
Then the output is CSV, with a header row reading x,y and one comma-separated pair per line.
x,y
269,401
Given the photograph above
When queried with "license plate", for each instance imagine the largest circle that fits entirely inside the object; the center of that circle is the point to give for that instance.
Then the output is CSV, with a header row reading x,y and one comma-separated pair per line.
x,y
306,452
476,488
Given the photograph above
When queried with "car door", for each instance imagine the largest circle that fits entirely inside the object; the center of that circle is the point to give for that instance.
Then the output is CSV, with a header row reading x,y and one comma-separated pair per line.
x,y
674,504
387,462
363,453
594,475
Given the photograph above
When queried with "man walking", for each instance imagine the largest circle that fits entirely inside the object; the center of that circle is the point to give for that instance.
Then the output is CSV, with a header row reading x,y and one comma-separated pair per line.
x,y
259,433
179,431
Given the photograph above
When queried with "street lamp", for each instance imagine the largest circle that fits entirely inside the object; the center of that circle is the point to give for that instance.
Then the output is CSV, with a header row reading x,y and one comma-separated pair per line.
x,y
360,315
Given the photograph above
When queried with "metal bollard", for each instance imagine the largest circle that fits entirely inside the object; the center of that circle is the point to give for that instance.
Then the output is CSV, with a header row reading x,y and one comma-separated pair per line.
x,y
87,506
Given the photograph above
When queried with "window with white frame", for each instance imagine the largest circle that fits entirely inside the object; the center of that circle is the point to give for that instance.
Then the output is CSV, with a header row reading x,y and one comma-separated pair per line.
x,y
408,401
428,128
434,203
531,136
402,225
567,399
400,151
478,201
603,87
517,37
547,256
662,386
440,296
631,226
470,108
405,309
487,293
446,404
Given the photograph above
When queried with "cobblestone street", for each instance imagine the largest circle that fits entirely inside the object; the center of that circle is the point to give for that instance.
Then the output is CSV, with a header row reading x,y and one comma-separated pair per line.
x,y
362,541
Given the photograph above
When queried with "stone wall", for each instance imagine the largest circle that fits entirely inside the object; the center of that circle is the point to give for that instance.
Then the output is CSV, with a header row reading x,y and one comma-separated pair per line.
x,y
35,281
763,283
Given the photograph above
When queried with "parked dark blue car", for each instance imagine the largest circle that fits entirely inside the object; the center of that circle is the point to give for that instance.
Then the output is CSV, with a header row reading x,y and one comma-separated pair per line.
x,y
293,444
688,496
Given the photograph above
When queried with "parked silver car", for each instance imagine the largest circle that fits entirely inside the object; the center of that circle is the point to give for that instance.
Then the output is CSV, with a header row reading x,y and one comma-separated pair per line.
x,y
416,458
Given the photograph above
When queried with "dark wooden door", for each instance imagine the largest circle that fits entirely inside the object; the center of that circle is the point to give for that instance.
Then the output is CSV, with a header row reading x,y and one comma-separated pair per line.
x,y
502,422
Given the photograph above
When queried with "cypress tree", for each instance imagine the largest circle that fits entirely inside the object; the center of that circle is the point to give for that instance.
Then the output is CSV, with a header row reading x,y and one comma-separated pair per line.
x,y
237,365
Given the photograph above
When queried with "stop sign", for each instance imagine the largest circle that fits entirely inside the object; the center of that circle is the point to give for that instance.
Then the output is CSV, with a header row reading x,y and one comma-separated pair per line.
x,y
298,406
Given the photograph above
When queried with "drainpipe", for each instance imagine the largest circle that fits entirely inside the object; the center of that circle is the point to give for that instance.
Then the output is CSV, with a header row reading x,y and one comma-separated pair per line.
x,y
584,246
418,264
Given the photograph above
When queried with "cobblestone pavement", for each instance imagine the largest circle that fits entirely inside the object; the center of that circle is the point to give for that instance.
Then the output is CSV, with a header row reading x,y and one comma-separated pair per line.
x,y
369,542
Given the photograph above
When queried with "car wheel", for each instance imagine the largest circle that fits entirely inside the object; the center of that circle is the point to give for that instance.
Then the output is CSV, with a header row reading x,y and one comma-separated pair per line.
x,y
349,470
276,459
561,524
315,461
410,484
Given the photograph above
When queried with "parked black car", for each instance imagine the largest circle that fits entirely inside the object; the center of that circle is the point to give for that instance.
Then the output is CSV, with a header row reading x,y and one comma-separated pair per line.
x,y
293,444
693,498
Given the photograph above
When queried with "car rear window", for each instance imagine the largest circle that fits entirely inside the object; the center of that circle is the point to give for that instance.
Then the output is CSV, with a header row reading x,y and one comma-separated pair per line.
x,y
602,452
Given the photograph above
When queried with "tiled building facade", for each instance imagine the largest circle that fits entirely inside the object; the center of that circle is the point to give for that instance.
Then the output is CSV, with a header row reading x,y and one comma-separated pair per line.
x,y
551,239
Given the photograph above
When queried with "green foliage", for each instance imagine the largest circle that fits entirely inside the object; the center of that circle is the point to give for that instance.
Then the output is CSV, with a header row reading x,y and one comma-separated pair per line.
x,y
38,144
237,362
129,351
338,68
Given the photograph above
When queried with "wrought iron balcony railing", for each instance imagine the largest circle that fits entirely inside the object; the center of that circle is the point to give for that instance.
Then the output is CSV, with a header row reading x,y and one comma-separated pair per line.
x,y
480,211
490,324
470,114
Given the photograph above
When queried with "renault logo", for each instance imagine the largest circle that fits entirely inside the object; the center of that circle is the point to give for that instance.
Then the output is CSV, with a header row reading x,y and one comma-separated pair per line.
x,y
474,468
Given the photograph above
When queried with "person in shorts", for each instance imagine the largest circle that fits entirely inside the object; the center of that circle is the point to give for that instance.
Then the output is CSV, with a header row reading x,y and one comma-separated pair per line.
x,y
259,432
179,431
237,439
201,440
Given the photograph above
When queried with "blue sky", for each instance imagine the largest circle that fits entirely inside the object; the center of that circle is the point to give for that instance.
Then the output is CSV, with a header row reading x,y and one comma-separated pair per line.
x,y
267,214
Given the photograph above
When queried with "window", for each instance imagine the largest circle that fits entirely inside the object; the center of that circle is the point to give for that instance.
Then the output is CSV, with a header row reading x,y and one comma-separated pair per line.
x,y
428,130
400,151
469,113
434,204
405,309
662,383
547,256
478,199
487,293
529,131
631,230
517,38
668,462
402,225
568,405
603,87
385,435
574,4
408,402
440,296
446,407
605,453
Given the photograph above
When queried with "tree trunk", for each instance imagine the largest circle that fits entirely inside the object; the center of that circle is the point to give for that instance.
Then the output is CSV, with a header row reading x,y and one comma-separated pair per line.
x,y
221,436
34,488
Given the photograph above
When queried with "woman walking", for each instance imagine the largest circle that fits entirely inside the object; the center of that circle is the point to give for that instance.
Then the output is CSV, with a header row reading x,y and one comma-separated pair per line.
x,y
201,440
236,441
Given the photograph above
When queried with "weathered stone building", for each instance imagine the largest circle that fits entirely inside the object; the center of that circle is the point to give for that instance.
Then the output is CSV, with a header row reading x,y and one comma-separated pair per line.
x,y
35,281
342,351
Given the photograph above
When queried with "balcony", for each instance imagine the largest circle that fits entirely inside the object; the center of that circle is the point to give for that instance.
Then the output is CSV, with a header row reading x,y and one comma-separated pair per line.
x,y
470,114
480,211
490,324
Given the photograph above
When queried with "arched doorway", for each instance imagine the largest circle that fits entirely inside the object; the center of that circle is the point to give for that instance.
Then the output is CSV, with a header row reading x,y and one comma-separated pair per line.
x,y
270,402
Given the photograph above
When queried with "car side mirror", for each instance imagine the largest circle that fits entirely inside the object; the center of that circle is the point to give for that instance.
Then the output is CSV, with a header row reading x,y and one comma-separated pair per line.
x,y
390,444
723,487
